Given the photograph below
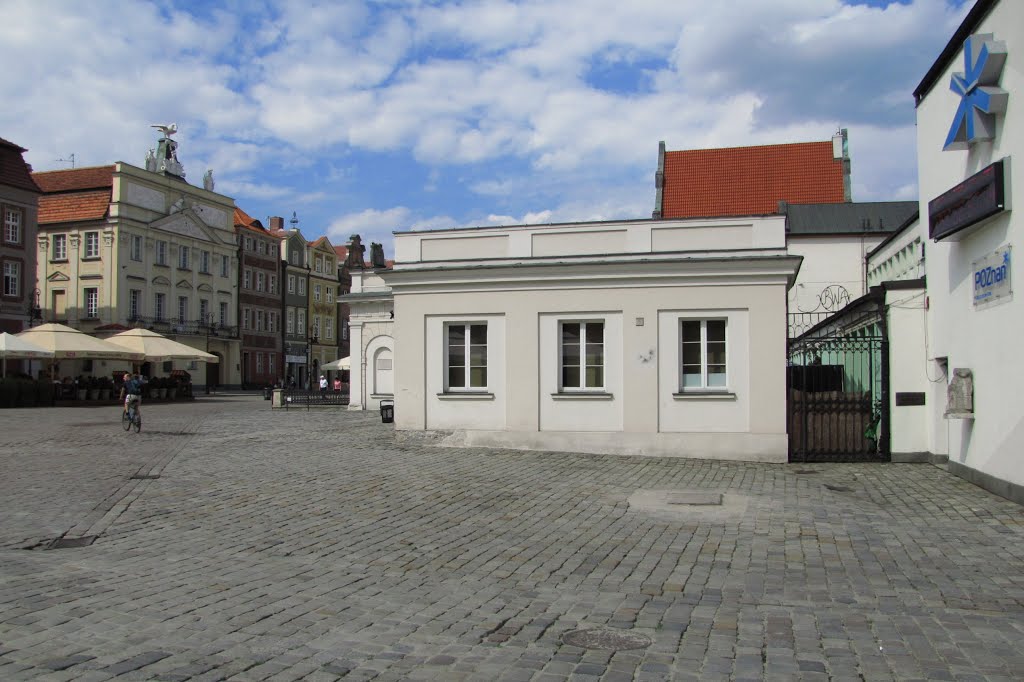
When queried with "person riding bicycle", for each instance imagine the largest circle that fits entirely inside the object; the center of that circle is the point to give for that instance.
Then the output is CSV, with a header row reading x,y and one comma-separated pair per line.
x,y
131,392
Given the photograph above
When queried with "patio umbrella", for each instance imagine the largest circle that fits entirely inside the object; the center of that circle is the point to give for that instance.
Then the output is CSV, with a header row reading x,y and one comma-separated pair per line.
x,y
65,342
341,363
158,348
17,348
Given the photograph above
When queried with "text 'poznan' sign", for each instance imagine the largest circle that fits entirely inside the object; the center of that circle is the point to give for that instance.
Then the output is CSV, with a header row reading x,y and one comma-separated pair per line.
x,y
992,277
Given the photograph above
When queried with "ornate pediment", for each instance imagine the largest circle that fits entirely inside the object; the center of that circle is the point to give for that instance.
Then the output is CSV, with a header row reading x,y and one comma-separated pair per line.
x,y
183,284
58,277
161,280
187,224
205,287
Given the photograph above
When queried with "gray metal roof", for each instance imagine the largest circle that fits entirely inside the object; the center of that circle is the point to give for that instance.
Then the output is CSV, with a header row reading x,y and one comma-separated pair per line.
x,y
881,217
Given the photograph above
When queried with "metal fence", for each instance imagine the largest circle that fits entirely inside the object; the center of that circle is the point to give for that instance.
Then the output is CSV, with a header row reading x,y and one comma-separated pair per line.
x,y
308,399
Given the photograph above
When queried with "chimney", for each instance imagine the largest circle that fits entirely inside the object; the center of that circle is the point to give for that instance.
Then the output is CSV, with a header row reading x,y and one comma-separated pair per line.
x,y
276,222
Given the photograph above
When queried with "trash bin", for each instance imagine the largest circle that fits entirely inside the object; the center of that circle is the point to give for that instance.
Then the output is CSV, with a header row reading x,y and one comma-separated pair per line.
x,y
267,391
387,411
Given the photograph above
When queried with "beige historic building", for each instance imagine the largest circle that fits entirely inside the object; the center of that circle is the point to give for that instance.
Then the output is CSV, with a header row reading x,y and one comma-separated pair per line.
x,y
323,304
19,200
122,246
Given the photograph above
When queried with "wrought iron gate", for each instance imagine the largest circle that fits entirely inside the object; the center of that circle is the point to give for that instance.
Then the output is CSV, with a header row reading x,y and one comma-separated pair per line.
x,y
838,407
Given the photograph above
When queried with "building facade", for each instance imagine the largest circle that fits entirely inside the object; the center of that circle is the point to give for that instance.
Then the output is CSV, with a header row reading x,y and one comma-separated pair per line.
x,y
19,210
259,300
323,304
125,246
657,337
969,134
295,301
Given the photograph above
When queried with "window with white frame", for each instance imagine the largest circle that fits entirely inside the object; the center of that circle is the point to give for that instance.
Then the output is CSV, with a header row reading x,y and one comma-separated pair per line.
x,y
60,247
703,355
329,290
182,308
161,253
92,302
290,321
204,311
316,293
329,327
319,264
136,247
315,331
245,318
223,314
247,279
300,321
271,320
92,245
13,219
160,306
466,356
261,281
183,258
259,320
582,355
224,267
259,363
12,278
302,286
272,287
271,363
134,304
344,330
204,262
291,284
248,243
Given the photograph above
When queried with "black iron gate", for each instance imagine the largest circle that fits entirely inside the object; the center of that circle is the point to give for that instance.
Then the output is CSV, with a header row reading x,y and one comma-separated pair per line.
x,y
838,407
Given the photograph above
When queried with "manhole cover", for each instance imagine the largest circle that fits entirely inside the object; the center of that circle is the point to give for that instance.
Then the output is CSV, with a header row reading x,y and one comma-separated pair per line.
x,y
606,638
694,498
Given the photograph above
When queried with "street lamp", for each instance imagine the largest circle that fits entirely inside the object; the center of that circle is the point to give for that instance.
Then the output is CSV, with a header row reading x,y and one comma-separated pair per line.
x,y
313,339
34,312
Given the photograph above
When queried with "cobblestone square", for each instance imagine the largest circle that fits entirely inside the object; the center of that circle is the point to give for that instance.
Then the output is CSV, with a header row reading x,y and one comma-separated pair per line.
x,y
233,542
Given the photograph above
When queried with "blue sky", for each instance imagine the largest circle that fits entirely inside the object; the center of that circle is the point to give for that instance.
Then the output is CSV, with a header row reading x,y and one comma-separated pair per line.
x,y
371,117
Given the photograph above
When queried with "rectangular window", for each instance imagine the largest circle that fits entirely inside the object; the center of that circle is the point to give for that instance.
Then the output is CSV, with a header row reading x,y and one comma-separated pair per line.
x,y
330,294
271,363
582,361
161,253
182,308
204,311
204,262
60,247
291,321
344,330
291,284
12,278
315,331
13,218
92,244
272,287
319,264
223,314
183,258
271,320
466,349
248,243
134,304
224,269
302,286
160,306
245,318
261,281
259,320
92,302
316,293
259,363
329,327
136,247
300,322
703,361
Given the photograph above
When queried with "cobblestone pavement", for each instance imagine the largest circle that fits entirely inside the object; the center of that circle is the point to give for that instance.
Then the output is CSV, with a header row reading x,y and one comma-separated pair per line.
x,y
233,542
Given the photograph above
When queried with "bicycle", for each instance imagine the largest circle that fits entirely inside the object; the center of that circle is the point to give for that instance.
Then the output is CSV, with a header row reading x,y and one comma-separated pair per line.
x,y
130,418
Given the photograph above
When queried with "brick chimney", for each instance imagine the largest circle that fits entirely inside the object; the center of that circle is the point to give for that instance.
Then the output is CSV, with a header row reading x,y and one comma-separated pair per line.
x,y
276,222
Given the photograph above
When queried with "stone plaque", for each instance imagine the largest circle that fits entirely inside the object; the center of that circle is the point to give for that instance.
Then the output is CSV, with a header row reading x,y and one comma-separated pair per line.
x,y
960,395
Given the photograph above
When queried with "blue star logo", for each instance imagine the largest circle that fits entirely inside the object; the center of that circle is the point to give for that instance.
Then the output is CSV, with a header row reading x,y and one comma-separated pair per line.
x,y
980,99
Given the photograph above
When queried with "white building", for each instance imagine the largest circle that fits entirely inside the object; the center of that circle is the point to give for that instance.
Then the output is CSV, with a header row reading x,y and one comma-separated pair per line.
x,y
969,130
372,344
652,337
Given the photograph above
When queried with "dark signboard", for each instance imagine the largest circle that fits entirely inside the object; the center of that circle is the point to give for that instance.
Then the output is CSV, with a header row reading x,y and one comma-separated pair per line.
x,y
909,398
970,202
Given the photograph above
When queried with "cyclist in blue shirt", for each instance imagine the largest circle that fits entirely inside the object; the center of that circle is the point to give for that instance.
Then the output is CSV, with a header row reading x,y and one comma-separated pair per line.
x,y
131,392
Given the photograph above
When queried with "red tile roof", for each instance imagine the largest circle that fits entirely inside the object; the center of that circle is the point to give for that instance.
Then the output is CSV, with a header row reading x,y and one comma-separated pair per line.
x,y
74,206
75,179
244,220
14,172
749,180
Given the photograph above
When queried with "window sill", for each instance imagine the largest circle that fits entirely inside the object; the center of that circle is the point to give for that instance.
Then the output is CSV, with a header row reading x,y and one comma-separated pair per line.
x,y
582,395
58,260
161,265
704,395
88,258
465,395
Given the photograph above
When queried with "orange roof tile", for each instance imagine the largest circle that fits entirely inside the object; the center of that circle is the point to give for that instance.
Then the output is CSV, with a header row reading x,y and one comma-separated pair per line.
x,y
74,206
75,179
244,220
749,180
14,172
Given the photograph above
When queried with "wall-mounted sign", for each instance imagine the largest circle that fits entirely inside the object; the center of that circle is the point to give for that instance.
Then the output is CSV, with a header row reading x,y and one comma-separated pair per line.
x,y
980,98
976,198
992,277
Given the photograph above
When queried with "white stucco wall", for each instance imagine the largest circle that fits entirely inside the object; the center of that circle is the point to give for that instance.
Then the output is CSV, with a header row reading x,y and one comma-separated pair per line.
x,y
832,260
984,339
908,371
